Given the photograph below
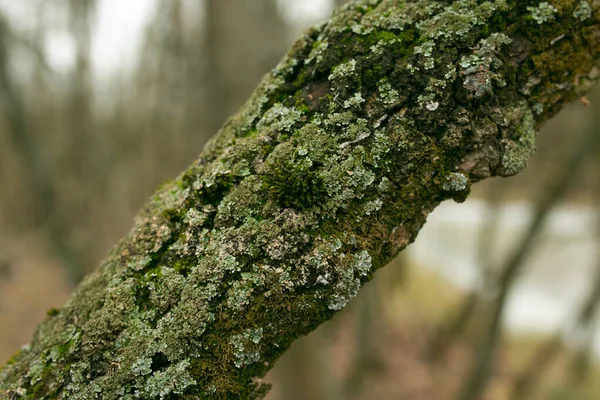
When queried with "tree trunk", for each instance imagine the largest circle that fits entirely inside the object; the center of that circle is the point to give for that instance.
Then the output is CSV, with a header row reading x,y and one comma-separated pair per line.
x,y
329,170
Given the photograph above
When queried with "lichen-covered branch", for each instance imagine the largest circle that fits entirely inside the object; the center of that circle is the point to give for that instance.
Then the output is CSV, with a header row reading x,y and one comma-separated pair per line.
x,y
329,170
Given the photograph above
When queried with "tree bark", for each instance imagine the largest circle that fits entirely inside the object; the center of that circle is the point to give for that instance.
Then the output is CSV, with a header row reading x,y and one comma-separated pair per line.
x,y
327,172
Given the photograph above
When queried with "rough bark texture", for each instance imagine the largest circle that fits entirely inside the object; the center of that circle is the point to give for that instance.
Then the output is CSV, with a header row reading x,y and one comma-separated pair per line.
x,y
330,169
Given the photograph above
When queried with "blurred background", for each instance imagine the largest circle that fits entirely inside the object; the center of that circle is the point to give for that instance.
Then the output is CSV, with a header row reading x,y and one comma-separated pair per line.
x,y
103,100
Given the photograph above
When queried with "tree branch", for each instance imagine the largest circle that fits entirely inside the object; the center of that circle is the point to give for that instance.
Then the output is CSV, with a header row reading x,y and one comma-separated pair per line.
x,y
329,170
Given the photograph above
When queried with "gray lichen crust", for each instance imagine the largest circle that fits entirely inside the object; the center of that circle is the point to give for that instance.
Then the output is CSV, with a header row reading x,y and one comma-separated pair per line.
x,y
330,169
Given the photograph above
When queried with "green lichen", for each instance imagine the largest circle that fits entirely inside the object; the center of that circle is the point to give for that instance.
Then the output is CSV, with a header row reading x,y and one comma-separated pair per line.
x,y
428,101
385,184
354,101
174,380
458,20
246,347
544,12
518,150
349,283
583,11
372,206
479,68
343,71
426,51
455,182
279,119
390,97
317,53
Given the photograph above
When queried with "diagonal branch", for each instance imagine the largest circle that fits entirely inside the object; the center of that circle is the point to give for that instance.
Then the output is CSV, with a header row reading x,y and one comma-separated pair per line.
x,y
327,172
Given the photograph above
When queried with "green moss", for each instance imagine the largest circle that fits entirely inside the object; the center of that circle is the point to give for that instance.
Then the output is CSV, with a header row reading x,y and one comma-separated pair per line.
x,y
385,37
173,214
294,182
52,312
184,266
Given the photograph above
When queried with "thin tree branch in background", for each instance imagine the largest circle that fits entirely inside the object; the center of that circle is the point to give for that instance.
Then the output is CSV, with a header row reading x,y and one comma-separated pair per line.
x,y
328,171
217,89
305,371
455,326
527,383
230,41
366,357
476,382
20,135
83,166
5,269
80,108
40,58
587,321
38,176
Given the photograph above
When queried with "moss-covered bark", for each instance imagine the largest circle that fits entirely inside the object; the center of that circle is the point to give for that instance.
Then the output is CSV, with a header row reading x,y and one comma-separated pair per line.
x,y
329,170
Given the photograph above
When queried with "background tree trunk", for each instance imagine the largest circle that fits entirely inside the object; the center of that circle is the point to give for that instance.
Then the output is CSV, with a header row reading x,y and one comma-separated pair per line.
x,y
237,52
329,170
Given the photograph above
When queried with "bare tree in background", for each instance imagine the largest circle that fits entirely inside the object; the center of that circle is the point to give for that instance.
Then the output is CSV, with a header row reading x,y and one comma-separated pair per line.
x,y
41,190
507,276
527,383
238,52
455,326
